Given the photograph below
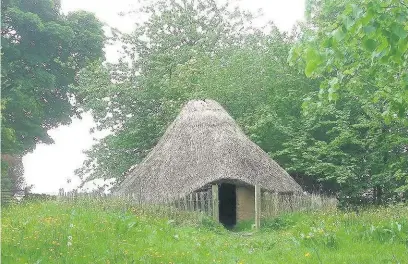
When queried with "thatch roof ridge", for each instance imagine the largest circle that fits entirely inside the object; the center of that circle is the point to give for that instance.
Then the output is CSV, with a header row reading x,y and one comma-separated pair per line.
x,y
204,145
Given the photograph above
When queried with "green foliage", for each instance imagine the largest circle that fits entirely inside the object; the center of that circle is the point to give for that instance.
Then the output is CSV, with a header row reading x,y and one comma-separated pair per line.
x,y
100,232
350,147
42,52
246,225
355,127
360,48
282,222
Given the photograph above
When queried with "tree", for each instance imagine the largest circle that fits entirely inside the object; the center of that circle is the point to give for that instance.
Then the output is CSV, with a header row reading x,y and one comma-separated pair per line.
x,y
343,147
356,125
362,48
350,151
42,53
186,50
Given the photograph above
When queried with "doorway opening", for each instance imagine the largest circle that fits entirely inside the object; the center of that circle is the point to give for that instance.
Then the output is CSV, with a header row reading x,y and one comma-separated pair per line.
x,y
227,205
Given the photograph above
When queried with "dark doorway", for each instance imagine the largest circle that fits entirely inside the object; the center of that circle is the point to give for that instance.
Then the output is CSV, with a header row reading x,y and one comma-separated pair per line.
x,y
227,205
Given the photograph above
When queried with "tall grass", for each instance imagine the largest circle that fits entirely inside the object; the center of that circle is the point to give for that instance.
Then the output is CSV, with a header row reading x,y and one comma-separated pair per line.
x,y
86,231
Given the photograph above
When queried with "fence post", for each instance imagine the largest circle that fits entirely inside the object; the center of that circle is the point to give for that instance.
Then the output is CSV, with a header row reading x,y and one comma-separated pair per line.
x,y
201,203
291,202
215,207
60,194
191,202
269,204
187,203
197,208
183,203
204,197
257,207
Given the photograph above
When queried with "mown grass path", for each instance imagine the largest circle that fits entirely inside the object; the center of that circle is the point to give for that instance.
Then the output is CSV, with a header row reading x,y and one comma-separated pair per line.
x,y
95,232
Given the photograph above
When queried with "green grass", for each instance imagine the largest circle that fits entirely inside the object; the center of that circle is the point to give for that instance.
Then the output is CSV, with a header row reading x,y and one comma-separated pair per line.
x,y
98,232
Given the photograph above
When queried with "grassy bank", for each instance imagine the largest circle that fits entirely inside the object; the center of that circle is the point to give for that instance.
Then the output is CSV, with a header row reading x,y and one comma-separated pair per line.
x,y
52,232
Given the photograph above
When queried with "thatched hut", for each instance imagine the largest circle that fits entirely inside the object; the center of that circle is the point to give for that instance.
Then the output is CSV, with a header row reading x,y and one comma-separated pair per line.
x,y
202,147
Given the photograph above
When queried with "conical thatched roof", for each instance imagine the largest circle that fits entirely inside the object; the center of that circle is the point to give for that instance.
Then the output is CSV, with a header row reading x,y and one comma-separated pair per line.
x,y
201,146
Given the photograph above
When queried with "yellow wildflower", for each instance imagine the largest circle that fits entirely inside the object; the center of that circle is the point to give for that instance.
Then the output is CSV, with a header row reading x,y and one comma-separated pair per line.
x,y
307,254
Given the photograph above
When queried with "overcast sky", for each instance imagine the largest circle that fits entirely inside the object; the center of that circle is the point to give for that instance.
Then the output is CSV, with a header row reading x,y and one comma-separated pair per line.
x,y
51,167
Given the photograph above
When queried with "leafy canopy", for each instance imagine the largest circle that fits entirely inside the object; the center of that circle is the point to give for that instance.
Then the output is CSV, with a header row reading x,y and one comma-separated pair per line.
x,y
362,48
42,52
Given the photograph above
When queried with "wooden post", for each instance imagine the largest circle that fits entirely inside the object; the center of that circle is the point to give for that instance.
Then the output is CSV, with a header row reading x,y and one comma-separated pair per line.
x,y
177,203
197,201
60,194
188,202
215,207
268,201
202,202
205,196
191,198
183,203
291,202
257,207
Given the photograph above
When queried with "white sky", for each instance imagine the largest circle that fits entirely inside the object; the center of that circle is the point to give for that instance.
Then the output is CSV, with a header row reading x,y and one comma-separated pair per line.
x,y
49,167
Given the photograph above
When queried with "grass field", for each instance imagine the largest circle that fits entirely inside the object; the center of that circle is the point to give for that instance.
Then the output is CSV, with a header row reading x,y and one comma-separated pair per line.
x,y
98,232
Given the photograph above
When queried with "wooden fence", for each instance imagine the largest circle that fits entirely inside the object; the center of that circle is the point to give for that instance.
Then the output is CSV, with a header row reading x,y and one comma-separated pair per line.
x,y
199,202
274,204
267,204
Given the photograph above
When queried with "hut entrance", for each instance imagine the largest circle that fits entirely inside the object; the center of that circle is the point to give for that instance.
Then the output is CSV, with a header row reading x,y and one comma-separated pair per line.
x,y
227,204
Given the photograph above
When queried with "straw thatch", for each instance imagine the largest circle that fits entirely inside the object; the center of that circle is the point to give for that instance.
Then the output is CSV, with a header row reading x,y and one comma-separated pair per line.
x,y
203,145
